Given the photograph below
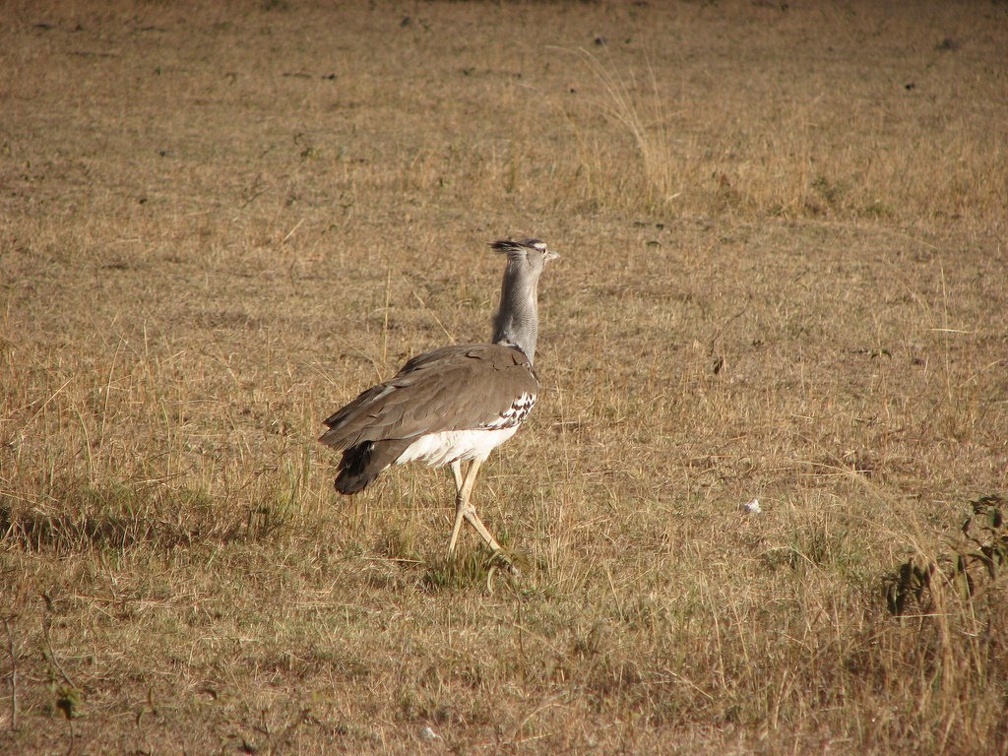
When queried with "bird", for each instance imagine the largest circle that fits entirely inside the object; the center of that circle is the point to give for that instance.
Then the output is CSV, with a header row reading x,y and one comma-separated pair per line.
x,y
452,405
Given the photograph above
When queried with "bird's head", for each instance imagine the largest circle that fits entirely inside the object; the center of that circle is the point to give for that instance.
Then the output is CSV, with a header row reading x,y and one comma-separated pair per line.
x,y
530,253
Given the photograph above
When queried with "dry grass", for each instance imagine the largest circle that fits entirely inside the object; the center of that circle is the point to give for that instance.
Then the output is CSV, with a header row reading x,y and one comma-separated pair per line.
x,y
783,277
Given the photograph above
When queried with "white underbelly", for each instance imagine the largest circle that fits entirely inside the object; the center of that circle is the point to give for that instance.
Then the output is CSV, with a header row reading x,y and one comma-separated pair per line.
x,y
436,449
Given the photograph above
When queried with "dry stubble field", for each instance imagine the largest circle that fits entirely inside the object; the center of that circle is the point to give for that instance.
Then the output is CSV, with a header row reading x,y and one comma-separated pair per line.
x,y
783,270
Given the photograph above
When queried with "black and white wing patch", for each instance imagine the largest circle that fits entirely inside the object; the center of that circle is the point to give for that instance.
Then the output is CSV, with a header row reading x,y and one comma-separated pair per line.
x,y
514,415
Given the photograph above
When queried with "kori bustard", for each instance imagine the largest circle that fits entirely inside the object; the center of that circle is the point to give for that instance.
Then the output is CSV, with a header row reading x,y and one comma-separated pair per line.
x,y
451,405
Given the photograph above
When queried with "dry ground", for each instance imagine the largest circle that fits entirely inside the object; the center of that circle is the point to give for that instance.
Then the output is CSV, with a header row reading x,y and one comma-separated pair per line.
x,y
783,277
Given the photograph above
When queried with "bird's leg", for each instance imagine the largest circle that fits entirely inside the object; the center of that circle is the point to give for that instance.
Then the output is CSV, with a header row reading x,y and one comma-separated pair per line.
x,y
475,521
460,504
470,514
469,511
464,508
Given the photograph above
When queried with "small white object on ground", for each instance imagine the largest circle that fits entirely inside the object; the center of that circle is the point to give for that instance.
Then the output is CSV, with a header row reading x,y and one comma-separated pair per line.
x,y
751,507
427,734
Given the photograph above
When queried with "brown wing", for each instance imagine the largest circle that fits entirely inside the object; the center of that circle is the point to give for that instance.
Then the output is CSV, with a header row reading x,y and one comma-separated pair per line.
x,y
452,388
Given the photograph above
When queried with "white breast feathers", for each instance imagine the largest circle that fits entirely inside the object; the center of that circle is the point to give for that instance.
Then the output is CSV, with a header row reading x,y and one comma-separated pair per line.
x,y
436,449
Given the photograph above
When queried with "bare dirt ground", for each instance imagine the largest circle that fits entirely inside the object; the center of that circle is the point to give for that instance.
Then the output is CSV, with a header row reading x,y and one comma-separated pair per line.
x,y
782,229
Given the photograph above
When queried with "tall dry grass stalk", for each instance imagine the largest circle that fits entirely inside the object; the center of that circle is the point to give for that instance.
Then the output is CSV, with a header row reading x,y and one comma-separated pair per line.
x,y
643,115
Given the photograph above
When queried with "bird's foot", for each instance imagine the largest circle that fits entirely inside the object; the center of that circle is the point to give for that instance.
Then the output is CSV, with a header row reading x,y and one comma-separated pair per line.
x,y
500,560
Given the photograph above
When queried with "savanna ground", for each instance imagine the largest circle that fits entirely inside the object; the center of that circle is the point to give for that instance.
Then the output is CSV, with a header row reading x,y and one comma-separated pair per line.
x,y
783,270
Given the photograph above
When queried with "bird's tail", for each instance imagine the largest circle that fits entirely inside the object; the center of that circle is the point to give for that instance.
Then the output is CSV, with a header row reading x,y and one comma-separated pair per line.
x,y
362,463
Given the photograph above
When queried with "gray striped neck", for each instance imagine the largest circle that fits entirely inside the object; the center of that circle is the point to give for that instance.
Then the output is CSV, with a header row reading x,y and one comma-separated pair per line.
x,y
516,323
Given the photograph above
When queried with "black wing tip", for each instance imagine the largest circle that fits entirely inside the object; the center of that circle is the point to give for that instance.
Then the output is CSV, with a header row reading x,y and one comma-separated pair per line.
x,y
348,485
358,468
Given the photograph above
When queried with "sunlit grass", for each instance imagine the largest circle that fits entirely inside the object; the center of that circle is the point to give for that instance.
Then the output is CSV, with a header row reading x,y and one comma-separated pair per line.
x,y
780,279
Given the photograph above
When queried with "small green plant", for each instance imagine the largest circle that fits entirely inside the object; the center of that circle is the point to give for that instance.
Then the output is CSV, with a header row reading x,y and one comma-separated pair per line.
x,y
68,701
478,568
830,191
986,546
462,571
910,581
977,560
